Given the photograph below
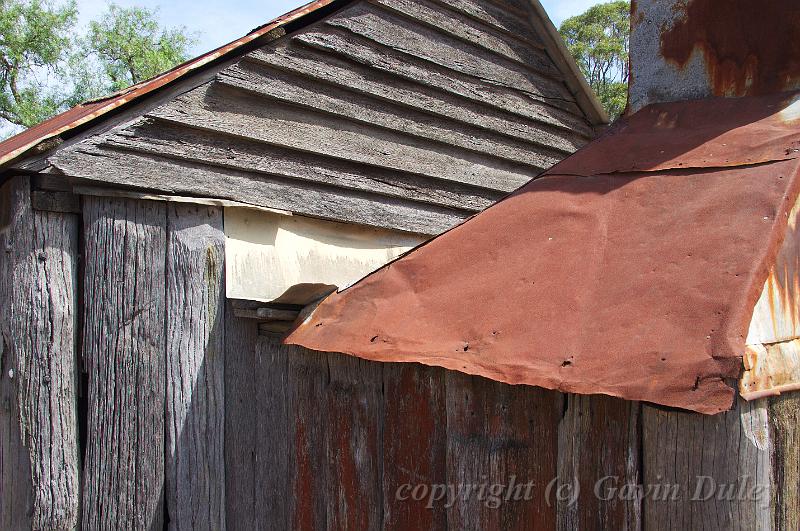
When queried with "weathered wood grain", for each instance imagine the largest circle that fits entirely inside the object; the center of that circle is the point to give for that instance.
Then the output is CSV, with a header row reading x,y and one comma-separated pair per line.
x,y
191,178
599,458
711,472
63,202
309,473
241,441
502,452
174,141
784,422
411,38
384,58
258,445
414,446
220,109
286,88
454,24
195,408
355,441
39,456
533,122
502,19
124,346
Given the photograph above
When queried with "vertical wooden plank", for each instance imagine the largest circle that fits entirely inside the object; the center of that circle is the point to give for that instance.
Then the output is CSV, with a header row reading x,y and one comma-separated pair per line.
x,y
258,432
241,441
713,471
502,454
414,445
273,433
599,459
355,443
124,348
784,414
195,471
40,456
310,485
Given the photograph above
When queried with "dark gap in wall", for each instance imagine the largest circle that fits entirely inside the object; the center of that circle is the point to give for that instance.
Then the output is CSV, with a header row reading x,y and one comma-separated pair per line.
x,y
82,376
167,266
640,457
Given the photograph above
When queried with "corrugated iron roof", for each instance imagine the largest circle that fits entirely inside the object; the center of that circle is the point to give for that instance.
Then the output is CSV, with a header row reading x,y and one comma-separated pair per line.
x,y
630,269
84,113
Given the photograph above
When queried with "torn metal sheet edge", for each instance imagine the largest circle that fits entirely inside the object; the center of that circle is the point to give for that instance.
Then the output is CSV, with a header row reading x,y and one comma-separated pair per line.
x,y
767,161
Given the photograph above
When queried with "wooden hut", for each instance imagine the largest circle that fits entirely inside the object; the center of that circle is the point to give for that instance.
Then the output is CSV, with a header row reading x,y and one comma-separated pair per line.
x,y
154,241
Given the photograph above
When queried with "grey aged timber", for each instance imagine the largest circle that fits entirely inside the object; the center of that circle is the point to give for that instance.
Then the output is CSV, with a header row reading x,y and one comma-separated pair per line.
x,y
389,113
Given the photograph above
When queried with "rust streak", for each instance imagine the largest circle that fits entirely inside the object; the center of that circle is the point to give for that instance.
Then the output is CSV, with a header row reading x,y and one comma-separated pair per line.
x,y
749,48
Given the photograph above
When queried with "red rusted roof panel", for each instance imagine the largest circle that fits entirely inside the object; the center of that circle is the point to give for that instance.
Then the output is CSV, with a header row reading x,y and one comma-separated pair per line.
x,y
82,114
712,133
636,284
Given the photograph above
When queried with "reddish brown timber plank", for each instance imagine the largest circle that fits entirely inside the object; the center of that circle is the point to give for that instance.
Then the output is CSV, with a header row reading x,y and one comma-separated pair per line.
x,y
195,368
503,443
355,426
124,351
706,472
414,445
309,487
39,457
599,464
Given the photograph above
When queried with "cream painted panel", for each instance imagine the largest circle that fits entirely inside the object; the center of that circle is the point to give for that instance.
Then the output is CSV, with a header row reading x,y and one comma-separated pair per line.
x,y
271,257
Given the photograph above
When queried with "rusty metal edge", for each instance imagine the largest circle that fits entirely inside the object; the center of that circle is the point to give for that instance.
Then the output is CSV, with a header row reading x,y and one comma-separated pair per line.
x,y
91,110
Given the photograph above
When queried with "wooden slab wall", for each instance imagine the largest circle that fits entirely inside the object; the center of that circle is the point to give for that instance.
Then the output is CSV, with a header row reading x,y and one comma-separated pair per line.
x,y
404,115
124,345
195,357
39,456
277,437
715,472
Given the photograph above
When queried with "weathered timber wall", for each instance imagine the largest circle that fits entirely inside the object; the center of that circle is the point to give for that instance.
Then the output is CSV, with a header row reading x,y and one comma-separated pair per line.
x,y
124,344
39,457
390,113
195,421
195,407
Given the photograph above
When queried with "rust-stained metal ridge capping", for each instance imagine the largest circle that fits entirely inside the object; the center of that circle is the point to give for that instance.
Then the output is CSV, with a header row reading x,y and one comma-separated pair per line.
x,y
630,269
84,113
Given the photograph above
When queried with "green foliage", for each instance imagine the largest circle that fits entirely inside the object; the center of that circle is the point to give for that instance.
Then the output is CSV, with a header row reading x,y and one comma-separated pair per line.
x,y
131,46
46,67
598,39
34,39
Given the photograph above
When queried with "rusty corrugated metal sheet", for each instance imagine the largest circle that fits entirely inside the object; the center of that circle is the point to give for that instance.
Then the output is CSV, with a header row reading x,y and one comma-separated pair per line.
x,y
82,114
748,48
636,279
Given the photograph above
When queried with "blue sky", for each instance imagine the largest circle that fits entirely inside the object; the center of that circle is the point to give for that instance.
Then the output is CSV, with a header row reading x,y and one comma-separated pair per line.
x,y
220,22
